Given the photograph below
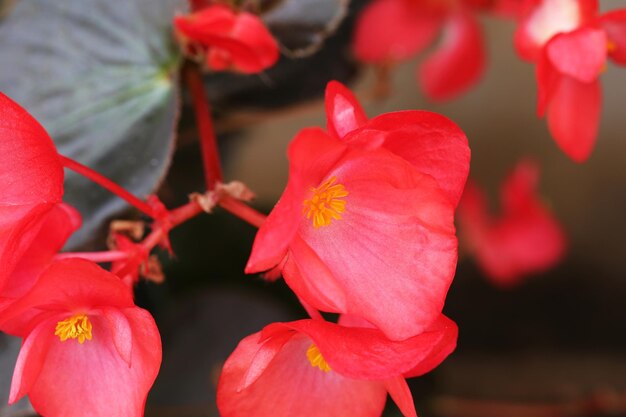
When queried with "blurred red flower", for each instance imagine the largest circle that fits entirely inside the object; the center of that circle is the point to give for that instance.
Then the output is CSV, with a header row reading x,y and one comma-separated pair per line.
x,y
227,39
570,44
365,224
524,239
389,31
315,368
87,349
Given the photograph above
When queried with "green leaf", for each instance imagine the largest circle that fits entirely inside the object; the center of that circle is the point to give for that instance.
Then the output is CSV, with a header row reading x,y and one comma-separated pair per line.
x,y
101,76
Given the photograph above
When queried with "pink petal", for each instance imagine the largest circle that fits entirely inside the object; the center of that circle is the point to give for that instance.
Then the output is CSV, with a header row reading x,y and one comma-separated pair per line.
x,y
544,19
393,30
614,23
92,378
19,227
67,285
323,292
401,395
121,333
30,169
459,61
393,252
262,358
291,386
251,31
311,154
343,111
433,144
548,79
574,117
31,359
58,225
580,54
365,353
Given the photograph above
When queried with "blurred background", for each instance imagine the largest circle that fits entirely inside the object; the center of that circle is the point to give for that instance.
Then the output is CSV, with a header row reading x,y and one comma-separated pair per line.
x,y
553,346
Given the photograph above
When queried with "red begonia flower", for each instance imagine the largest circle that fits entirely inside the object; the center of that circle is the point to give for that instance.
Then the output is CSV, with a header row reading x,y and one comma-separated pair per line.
x,y
394,30
229,39
365,224
31,183
570,45
315,368
524,239
87,349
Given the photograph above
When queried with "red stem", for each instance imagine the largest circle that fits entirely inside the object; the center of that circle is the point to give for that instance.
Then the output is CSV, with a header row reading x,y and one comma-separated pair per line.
x,y
242,210
105,256
106,183
208,142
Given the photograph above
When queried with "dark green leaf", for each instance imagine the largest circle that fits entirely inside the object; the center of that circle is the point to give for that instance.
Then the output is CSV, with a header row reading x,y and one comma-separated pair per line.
x,y
101,76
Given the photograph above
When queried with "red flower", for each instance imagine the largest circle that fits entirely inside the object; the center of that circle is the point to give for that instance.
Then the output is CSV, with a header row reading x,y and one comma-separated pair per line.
x,y
31,187
87,349
570,45
394,30
365,225
524,239
228,39
315,368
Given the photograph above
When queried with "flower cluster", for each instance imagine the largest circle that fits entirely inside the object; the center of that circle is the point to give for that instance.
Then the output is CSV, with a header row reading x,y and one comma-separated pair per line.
x,y
389,31
570,43
84,340
364,229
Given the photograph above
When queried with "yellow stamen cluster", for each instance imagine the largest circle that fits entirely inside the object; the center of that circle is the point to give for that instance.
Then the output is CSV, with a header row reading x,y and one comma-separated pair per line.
x,y
317,360
326,203
76,327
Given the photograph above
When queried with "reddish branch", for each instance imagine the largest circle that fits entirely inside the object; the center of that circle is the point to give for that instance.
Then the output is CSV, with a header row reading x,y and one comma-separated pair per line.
x,y
204,121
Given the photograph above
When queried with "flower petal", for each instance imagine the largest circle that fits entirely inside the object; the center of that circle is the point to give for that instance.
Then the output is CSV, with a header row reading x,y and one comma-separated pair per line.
x,y
393,252
343,111
544,19
365,353
580,54
574,116
432,143
30,360
401,395
92,378
458,63
311,154
67,285
30,169
58,225
291,386
614,23
393,30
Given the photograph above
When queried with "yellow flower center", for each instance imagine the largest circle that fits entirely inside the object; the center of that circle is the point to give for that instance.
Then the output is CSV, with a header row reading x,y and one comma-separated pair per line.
x,y
317,360
326,203
76,327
